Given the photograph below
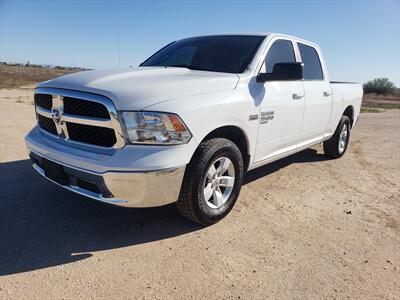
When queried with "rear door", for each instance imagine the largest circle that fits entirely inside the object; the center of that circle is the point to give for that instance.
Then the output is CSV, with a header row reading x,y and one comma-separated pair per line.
x,y
318,95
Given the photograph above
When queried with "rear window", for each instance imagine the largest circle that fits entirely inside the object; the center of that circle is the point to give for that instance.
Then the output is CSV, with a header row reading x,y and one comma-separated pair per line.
x,y
225,53
312,64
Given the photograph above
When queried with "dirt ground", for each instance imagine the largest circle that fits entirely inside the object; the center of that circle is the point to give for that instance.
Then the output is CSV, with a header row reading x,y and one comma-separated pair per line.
x,y
305,227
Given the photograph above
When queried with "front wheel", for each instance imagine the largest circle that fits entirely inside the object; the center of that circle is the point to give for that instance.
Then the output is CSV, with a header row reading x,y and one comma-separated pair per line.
x,y
336,146
212,182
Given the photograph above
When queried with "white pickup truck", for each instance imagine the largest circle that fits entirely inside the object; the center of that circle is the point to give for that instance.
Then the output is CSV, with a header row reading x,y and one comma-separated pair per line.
x,y
187,123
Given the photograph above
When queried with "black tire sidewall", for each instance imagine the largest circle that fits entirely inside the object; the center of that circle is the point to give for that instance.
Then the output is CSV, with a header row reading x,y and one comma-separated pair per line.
x,y
212,215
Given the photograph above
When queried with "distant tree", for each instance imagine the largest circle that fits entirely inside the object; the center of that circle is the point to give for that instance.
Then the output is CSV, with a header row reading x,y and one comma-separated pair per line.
x,y
381,86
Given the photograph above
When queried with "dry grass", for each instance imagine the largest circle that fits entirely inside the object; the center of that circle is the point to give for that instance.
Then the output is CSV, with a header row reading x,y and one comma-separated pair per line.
x,y
374,101
390,98
381,101
17,76
370,110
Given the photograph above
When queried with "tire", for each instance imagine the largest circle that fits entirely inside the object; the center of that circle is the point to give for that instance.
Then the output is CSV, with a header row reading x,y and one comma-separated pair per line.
x,y
335,147
214,154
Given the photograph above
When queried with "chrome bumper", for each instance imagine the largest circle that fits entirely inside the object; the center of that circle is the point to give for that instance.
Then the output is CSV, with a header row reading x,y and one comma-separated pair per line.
x,y
130,189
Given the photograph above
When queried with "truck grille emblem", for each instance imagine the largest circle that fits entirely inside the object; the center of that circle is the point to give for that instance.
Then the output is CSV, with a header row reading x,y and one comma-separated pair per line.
x,y
56,114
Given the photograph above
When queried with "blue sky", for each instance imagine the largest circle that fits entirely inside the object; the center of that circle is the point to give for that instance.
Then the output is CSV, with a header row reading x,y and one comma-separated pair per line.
x,y
360,39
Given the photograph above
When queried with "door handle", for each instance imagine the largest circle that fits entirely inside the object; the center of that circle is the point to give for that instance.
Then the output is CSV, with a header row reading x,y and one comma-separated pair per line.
x,y
327,94
297,97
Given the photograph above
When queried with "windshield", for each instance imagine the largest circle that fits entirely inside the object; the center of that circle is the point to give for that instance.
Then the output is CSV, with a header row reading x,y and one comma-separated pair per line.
x,y
226,53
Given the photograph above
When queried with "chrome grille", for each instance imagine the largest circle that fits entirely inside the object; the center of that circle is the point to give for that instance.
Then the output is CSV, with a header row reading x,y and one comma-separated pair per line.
x,y
79,117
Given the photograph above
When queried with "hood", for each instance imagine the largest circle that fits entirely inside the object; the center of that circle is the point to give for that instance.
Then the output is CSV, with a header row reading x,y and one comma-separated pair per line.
x,y
138,88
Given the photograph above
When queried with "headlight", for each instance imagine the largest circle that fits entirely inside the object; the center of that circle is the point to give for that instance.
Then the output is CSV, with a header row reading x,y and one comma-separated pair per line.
x,y
155,128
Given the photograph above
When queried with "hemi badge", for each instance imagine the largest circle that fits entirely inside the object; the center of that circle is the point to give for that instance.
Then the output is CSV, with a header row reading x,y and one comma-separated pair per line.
x,y
253,117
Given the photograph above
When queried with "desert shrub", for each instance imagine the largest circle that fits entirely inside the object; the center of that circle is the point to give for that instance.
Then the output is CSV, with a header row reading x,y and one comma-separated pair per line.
x,y
381,86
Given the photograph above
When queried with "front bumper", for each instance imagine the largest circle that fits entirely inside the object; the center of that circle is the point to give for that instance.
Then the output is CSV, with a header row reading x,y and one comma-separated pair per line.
x,y
133,176
130,189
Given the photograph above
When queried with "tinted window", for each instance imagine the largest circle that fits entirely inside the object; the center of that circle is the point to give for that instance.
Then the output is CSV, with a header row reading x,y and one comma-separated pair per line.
x,y
229,53
312,65
281,51
182,56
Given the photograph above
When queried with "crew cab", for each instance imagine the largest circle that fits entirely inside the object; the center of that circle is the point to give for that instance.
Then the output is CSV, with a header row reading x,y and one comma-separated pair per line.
x,y
190,121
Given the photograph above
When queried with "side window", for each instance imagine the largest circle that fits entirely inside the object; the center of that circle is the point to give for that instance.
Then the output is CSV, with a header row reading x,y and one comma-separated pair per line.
x,y
312,64
281,51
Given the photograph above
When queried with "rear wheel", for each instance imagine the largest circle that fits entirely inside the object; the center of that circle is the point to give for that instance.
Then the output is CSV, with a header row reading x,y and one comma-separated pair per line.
x,y
212,182
336,146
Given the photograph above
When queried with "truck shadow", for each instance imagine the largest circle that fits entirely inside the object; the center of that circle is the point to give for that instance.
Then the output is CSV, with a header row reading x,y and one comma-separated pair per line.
x,y
43,225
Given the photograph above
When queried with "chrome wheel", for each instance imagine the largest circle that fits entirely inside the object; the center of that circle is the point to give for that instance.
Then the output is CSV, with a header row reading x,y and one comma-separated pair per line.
x,y
343,139
219,182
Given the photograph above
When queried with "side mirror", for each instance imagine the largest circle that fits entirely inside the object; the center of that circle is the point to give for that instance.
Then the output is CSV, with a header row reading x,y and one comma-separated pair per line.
x,y
283,72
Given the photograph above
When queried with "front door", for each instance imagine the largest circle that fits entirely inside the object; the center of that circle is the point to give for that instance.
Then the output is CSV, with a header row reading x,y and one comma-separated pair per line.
x,y
282,106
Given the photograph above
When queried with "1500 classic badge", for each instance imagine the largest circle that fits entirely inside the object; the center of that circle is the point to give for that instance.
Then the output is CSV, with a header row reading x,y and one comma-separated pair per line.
x,y
266,116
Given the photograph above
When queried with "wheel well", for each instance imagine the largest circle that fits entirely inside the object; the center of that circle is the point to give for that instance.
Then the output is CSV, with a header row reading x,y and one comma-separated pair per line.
x,y
349,112
237,136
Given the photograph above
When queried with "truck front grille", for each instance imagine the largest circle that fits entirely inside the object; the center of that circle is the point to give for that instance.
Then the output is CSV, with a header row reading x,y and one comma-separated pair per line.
x,y
47,124
84,108
80,117
99,136
43,101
